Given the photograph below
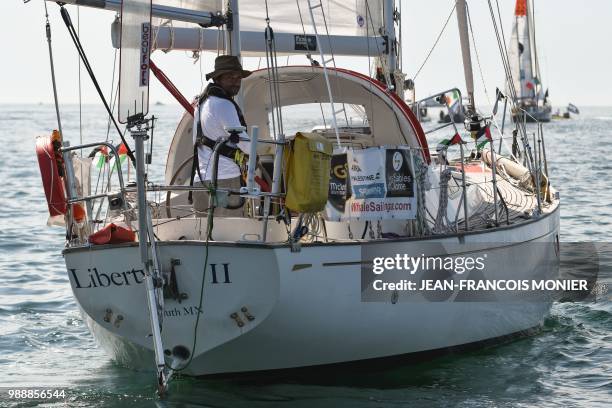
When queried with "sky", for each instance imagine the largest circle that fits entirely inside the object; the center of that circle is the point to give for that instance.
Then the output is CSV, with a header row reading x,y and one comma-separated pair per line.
x,y
573,46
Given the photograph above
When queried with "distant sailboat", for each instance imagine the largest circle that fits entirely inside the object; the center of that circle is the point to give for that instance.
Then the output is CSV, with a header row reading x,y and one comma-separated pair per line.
x,y
532,102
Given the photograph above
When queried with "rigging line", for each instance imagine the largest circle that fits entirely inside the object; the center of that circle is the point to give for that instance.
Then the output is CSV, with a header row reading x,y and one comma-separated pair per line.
x,y
520,125
308,54
79,46
108,122
380,53
48,33
331,50
401,53
535,49
277,86
503,35
436,42
467,9
269,37
309,57
325,75
503,54
79,81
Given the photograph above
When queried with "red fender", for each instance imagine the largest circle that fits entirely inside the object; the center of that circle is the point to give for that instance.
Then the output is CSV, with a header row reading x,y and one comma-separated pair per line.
x,y
112,234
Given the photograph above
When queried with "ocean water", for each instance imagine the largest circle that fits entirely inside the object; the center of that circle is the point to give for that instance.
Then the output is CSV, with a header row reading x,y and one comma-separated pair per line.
x,y
45,343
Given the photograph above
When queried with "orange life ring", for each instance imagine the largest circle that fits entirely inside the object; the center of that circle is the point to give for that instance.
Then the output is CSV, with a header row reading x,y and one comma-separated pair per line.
x,y
51,166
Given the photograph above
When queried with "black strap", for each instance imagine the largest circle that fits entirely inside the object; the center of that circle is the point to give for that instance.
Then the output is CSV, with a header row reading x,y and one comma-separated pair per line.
x,y
215,90
203,140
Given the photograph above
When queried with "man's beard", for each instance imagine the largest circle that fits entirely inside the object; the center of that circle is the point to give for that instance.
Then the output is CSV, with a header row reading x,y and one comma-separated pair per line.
x,y
233,91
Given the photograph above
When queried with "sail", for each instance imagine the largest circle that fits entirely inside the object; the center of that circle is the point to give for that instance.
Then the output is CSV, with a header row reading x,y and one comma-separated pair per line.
x,y
519,54
355,26
196,5
350,18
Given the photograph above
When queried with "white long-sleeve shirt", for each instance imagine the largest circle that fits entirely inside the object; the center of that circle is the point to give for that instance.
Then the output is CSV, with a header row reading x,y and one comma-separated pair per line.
x,y
216,114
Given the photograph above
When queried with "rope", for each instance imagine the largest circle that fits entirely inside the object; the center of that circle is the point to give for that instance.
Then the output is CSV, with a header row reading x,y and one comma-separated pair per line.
x,y
81,51
79,81
329,91
440,222
272,68
48,32
484,85
421,175
435,43
333,58
201,301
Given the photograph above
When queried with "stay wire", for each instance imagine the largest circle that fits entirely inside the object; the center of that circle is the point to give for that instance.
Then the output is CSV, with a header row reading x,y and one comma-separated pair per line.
x,y
333,58
309,55
201,301
484,85
81,51
48,34
79,81
436,42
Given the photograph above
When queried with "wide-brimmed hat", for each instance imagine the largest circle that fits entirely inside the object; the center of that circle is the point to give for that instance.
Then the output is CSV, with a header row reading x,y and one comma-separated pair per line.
x,y
225,64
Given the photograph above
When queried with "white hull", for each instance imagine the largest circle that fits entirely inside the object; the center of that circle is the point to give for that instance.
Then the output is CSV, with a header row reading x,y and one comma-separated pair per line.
x,y
307,305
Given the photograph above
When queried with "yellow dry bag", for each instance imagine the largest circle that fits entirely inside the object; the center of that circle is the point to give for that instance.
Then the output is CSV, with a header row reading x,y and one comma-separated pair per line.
x,y
307,165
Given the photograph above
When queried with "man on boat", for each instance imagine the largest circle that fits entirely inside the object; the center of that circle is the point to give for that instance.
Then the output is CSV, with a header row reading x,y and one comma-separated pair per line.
x,y
217,111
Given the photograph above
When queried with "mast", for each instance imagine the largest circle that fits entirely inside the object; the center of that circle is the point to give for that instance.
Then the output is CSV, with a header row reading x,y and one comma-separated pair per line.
x,y
519,57
232,29
389,18
535,50
232,38
465,52
529,40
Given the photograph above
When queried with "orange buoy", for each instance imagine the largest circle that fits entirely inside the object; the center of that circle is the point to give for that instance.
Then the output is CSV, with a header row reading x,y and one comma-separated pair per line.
x,y
51,166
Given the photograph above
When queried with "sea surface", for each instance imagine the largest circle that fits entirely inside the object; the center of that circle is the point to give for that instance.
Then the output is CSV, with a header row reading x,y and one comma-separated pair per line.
x,y
45,343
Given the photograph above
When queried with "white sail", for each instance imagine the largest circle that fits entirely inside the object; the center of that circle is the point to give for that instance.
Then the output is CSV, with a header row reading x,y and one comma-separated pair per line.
x,y
352,18
519,53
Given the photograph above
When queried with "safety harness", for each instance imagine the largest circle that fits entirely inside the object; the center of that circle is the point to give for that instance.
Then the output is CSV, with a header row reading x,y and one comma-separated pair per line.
x,y
232,153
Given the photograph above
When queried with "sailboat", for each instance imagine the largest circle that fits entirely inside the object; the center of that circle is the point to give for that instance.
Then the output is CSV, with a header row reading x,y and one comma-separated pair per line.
x,y
295,282
532,104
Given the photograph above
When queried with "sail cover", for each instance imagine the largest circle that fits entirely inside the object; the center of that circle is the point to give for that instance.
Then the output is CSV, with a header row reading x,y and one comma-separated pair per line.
x,y
351,18
519,54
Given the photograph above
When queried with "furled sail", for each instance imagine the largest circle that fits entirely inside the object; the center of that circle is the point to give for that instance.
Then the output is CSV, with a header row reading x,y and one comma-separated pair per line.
x,y
352,23
519,53
351,18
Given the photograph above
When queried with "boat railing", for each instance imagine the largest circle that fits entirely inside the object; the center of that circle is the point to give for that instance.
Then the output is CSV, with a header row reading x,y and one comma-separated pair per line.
x,y
118,200
440,98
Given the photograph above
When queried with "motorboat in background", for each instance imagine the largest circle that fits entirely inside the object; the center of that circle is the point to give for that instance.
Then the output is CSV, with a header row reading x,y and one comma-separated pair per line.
x,y
571,108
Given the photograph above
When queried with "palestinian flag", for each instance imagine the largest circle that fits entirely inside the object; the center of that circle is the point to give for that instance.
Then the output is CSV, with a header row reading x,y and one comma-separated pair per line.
x,y
483,137
443,145
101,157
122,150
